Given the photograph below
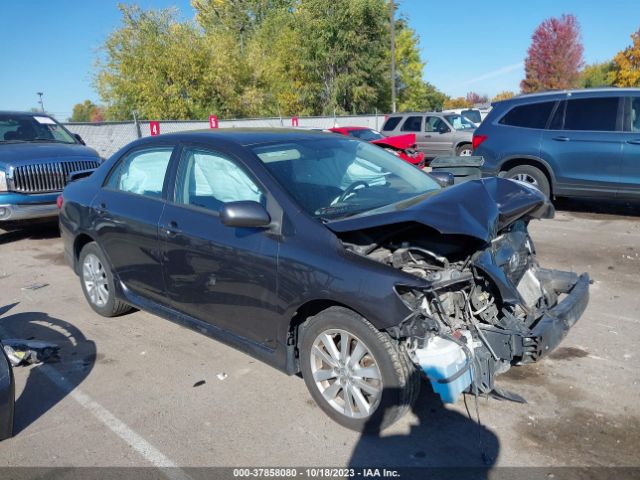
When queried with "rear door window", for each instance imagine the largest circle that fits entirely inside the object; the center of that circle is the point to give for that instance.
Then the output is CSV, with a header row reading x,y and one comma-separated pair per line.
x,y
141,172
412,124
592,114
391,123
534,115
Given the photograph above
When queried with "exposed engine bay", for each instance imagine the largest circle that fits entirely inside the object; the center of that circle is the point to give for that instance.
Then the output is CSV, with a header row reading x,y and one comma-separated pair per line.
x,y
489,301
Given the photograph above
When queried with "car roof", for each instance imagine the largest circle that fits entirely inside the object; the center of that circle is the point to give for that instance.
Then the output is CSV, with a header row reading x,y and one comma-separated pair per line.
x,y
556,94
14,113
403,114
244,136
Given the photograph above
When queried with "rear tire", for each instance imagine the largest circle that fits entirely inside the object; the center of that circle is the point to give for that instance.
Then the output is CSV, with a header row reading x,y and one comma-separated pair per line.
x,y
464,150
380,386
97,282
531,175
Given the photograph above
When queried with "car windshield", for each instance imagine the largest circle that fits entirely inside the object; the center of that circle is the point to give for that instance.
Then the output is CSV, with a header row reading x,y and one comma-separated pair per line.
x,y
339,177
32,129
458,122
366,134
472,115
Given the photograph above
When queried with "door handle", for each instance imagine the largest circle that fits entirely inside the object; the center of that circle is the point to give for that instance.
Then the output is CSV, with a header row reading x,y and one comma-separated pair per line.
x,y
561,139
427,136
634,141
172,229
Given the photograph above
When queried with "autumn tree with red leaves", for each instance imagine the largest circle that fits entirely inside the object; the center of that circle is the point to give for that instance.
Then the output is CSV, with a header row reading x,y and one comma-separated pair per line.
x,y
554,58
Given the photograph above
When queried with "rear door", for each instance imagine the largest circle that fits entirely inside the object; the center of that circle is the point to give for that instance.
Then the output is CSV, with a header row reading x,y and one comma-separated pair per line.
x,y
630,169
128,209
584,147
413,124
222,275
439,136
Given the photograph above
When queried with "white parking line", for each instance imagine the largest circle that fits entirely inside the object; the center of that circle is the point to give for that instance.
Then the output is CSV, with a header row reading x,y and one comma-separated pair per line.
x,y
150,453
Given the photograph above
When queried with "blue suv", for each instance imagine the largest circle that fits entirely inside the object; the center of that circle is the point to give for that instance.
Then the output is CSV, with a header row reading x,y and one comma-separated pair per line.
x,y
37,154
569,143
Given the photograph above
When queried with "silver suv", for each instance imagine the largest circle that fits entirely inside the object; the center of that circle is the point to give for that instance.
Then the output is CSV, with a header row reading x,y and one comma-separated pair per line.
x,y
436,133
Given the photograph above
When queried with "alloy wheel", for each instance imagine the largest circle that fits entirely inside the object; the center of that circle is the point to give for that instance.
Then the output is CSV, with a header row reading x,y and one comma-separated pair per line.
x,y
346,373
95,280
526,178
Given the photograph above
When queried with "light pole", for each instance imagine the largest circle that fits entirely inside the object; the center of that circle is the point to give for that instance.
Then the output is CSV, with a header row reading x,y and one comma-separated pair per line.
x,y
392,19
40,101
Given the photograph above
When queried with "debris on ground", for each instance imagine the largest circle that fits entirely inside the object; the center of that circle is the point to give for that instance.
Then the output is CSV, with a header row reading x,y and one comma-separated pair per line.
x,y
221,376
199,382
35,286
29,352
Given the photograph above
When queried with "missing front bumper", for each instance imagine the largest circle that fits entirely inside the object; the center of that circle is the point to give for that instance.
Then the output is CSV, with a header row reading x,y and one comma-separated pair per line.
x,y
554,325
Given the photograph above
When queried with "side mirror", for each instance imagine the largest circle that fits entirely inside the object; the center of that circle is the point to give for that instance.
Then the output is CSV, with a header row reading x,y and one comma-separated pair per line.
x,y
79,138
444,129
444,179
245,214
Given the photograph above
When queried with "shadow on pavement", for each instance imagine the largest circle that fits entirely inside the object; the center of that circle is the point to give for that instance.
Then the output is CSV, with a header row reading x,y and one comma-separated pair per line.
x,y
606,206
444,442
38,230
47,383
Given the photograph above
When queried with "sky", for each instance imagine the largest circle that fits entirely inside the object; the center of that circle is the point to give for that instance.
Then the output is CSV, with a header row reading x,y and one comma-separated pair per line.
x,y
50,46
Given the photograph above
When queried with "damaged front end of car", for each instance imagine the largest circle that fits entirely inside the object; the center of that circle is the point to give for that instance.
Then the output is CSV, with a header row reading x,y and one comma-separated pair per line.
x,y
479,303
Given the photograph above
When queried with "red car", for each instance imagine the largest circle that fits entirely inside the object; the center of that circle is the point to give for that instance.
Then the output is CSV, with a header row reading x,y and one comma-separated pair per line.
x,y
401,145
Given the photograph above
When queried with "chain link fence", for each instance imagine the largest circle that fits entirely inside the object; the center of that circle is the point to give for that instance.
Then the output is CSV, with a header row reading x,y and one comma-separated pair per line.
x,y
108,137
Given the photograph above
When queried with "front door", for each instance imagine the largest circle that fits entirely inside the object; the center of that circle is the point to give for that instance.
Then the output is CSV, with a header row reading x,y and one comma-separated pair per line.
x,y
225,276
438,136
584,147
127,211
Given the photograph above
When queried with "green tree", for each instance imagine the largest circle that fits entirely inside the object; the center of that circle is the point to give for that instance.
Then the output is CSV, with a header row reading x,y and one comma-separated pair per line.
x,y
165,69
414,94
87,111
626,65
504,95
596,75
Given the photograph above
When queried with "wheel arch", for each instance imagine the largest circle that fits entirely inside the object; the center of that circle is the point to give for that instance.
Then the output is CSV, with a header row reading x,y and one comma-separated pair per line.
x,y
543,166
305,311
78,244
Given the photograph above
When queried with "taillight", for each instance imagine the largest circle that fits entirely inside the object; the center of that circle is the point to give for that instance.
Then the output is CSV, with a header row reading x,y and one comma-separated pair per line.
x,y
59,201
477,140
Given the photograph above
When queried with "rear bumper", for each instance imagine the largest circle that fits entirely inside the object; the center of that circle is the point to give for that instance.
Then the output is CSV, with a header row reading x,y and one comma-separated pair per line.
x,y
556,323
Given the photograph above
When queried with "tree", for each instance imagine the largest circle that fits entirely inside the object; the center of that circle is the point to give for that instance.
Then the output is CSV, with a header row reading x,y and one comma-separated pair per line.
x,y
458,102
165,69
474,98
626,65
554,58
596,75
504,95
414,94
87,111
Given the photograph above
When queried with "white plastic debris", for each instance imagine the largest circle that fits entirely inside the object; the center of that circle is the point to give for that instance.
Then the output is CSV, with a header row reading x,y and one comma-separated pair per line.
x,y
221,376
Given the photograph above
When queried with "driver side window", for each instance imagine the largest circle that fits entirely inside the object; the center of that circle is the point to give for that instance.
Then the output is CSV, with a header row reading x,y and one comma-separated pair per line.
x,y
209,180
435,125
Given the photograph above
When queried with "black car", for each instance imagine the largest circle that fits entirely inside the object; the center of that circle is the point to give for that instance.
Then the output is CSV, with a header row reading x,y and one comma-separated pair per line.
x,y
323,255
37,154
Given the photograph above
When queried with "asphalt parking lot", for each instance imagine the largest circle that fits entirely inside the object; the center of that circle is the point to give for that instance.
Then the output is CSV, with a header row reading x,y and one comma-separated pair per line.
x,y
124,391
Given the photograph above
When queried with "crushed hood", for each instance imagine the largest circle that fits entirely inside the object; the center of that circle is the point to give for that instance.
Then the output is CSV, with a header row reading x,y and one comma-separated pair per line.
x,y
477,208
401,142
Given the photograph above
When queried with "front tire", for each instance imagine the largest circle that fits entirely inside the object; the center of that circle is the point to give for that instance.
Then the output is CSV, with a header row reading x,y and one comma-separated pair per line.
x,y
97,282
360,377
